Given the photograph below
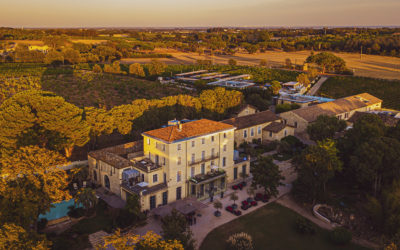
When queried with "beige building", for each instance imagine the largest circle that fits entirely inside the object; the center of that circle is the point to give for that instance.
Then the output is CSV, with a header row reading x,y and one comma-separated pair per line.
x,y
246,110
193,159
275,131
250,127
342,108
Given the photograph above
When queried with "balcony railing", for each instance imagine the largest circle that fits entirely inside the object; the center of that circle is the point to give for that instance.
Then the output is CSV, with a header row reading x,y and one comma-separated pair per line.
x,y
205,159
209,176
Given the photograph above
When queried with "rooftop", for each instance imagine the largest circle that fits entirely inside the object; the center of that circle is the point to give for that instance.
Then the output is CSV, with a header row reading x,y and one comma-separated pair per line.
x,y
337,106
388,119
275,127
117,156
142,189
188,130
252,120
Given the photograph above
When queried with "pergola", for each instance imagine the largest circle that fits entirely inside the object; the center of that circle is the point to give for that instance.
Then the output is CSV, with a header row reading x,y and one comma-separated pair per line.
x,y
185,207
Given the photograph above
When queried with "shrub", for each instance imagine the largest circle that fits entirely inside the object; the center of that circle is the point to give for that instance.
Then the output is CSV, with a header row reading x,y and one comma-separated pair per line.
x,y
304,226
340,236
42,223
270,146
75,212
240,241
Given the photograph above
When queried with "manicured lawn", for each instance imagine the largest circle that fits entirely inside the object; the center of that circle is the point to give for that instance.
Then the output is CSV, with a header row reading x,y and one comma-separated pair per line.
x,y
340,86
271,227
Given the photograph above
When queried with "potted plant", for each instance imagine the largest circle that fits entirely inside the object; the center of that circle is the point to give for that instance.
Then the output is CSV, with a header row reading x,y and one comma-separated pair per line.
x,y
234,198
218,206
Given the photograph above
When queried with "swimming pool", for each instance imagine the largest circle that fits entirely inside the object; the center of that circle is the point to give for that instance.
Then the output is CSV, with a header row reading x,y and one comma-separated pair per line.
x,y
58,210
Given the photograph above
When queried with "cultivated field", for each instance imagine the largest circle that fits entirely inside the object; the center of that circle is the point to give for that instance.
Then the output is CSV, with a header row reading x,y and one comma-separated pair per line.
x,y
369,66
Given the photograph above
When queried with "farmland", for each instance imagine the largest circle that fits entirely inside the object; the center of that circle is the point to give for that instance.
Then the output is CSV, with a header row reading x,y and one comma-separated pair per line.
x,y
369,66
340,86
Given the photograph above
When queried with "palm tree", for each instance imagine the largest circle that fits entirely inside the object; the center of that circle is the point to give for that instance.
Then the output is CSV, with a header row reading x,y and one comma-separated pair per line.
x,y
86,197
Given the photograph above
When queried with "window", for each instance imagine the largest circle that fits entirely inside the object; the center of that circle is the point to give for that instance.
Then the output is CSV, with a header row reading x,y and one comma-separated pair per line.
x,y
201,189
155,178
244,170
179,160
224,135
212,138
259,130
295,124
285,132
270,133
192,172
203,155
148,141
225,148
165,178
212,152
163,147
152,202
165,198
203,141
178,176
212,163
193,158
94,175
235,173
178,193
252,132
245,133
339,117
224,161
157,159
164,161
179,147
346,115
203,168
193,143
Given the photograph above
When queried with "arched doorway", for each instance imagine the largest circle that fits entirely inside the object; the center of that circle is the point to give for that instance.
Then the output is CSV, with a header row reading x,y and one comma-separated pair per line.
x,y
106,182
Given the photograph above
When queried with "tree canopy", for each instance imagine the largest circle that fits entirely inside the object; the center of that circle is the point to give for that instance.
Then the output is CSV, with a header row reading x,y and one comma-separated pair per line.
x,y
267,175
41,118
325,127
328,62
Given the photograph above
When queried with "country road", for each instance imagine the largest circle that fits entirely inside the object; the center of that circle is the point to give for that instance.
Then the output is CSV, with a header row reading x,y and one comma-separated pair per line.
x,y
316,86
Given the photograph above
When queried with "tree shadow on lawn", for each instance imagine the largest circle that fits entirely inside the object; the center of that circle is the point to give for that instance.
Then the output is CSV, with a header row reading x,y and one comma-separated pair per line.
x,y
271,227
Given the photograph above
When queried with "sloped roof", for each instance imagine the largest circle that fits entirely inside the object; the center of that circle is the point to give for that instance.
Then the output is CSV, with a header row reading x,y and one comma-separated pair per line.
x,y
337,106
388,120
188,130
275,127
116,156
252,120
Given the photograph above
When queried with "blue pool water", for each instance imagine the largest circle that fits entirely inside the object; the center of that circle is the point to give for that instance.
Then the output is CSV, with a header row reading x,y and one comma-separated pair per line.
x,y
59,210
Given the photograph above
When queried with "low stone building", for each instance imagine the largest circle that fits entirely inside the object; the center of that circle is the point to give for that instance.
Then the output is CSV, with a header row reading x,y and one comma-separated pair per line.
x,y
342,108
276,131
245,110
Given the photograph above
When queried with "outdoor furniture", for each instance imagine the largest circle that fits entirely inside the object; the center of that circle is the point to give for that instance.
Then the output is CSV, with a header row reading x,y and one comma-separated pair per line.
x,y
265,198
258,197
234,206
229,209
237,212
75,186
250,200
245,205
253,203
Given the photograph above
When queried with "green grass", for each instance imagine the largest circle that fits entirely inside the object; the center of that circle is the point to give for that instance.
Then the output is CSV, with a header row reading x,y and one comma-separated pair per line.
x,y
271,227
340,86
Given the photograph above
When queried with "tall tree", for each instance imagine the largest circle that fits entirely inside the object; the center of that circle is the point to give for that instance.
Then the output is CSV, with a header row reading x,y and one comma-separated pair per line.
x,y
14,237
315,166
275,86
86,197
31,182
41,118
137,70
156,67
149,241
325,127
267,175
175,227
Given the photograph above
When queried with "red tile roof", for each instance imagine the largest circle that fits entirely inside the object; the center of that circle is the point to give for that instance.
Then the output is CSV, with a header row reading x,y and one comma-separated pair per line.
x,y
189,130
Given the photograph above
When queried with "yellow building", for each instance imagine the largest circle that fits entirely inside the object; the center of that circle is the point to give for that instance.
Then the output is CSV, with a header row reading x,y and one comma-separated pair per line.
x,y
193,159
251,127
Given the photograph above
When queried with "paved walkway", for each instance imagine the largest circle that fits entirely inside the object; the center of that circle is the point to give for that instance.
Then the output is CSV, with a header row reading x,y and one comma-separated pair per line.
x,y
316,86
207,222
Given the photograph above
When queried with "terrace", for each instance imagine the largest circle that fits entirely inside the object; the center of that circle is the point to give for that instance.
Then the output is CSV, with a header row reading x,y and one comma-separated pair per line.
x,y
203,159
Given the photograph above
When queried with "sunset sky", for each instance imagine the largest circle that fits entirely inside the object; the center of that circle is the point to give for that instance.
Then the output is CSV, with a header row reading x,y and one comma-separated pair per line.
x,y
185,13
